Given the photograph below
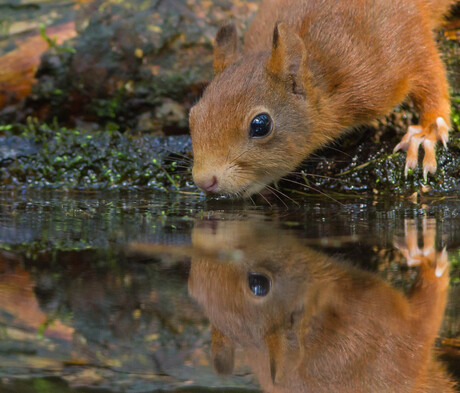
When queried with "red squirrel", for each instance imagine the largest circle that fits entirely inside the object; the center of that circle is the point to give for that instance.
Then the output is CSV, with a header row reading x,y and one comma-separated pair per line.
x,y
309,71
305,322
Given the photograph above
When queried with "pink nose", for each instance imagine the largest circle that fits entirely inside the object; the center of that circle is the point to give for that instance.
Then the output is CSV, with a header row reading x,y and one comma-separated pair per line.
x,y
208,184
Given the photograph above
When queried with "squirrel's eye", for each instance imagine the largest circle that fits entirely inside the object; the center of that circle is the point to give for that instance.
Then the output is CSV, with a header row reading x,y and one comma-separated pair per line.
x,y
259,284
261,126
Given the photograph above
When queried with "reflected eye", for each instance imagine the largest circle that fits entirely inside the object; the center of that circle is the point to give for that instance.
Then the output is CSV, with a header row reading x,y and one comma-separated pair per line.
x,y
259,284
261,126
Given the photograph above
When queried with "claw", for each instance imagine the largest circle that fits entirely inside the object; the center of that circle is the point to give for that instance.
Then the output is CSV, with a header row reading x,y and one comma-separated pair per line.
x,y
443,130
412,153
429,161
441,263
406,169
406,141
444,143
426,256
439,271
429,136
397,147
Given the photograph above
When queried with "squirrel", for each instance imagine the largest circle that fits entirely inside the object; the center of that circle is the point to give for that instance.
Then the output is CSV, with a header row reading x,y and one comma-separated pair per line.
x,y
309,71
306,322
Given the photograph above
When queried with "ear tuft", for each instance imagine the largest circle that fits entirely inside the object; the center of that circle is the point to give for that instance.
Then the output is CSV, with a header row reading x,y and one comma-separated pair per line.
x,y
226,47
284,352
276,36
226,33
222,352
287,58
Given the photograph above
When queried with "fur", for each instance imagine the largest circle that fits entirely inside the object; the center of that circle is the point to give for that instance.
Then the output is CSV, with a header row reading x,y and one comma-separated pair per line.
x,y
324,326
318,68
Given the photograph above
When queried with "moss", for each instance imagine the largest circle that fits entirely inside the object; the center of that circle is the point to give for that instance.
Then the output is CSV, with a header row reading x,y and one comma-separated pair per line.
x,y
60,157
74,159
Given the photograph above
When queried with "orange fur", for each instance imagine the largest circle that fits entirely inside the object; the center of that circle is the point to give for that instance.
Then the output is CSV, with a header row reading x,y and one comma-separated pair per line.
x,y
324,326
317,68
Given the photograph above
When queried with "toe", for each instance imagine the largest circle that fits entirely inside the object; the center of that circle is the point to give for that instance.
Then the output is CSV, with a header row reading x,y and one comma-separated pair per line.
x,y
429,161
443,130
412,153
441,263
429,236
407,138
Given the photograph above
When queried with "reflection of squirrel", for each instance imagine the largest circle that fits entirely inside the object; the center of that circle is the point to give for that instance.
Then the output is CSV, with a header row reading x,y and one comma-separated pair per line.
x,y
309,324
328,66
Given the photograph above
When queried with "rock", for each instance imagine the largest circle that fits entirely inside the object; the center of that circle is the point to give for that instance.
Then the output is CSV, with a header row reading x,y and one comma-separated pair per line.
x,y
146,123
14,147
128,58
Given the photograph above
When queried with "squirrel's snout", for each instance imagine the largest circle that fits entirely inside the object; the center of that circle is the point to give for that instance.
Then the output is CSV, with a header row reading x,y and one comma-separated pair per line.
x,y
206,182
214,178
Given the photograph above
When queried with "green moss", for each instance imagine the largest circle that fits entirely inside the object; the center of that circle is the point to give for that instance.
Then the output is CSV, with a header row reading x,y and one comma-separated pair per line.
x,y
454,259
70,158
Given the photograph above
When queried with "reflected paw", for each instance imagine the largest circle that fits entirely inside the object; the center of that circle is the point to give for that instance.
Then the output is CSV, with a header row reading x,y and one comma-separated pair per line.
x,y
429,136
427,256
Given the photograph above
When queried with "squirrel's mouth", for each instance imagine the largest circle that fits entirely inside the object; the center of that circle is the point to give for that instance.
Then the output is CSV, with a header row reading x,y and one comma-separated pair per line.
x,y
251,189
243,192
229,182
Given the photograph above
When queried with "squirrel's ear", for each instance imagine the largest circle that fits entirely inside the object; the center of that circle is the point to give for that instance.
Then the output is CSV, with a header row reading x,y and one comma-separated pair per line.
x,y
284,349
226,47
287,59
222,352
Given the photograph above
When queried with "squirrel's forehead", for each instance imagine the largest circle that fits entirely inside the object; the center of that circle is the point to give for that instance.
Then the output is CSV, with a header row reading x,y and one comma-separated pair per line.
x,y
226,104
225,110
241,81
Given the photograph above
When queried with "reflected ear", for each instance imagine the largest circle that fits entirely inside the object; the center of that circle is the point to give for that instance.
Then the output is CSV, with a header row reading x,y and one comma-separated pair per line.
x,y
287,58
226,47
284,350
222,352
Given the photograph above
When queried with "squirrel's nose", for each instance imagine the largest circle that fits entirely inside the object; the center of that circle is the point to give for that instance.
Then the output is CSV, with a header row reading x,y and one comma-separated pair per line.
x,y
208,183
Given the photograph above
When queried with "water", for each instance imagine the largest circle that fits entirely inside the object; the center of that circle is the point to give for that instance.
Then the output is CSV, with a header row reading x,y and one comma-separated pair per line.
x,y
153,292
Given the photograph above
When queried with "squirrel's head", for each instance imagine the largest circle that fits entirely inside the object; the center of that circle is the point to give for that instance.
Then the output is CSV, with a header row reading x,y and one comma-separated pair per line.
x,y
252,281
251,127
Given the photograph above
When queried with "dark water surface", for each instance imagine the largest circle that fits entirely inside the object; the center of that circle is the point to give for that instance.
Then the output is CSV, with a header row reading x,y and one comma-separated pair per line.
x,y
155,292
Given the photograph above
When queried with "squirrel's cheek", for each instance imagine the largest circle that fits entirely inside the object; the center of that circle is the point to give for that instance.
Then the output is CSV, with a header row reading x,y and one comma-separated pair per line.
x,y
215,178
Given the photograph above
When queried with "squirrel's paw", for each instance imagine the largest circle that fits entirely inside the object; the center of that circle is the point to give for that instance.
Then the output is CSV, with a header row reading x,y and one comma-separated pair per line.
x,y
428,257
429,136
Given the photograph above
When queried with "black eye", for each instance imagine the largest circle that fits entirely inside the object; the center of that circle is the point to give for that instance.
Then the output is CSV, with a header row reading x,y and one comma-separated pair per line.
x,y
259,284
261,126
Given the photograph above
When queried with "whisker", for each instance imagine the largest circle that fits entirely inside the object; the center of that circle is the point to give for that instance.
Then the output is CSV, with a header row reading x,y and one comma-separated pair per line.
x,y
274,193
272,190
252,200
312,175
338,150
266,200
315,155
244,152
180,155
283,194
182,167
180,159
238,173
314,189
179,172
